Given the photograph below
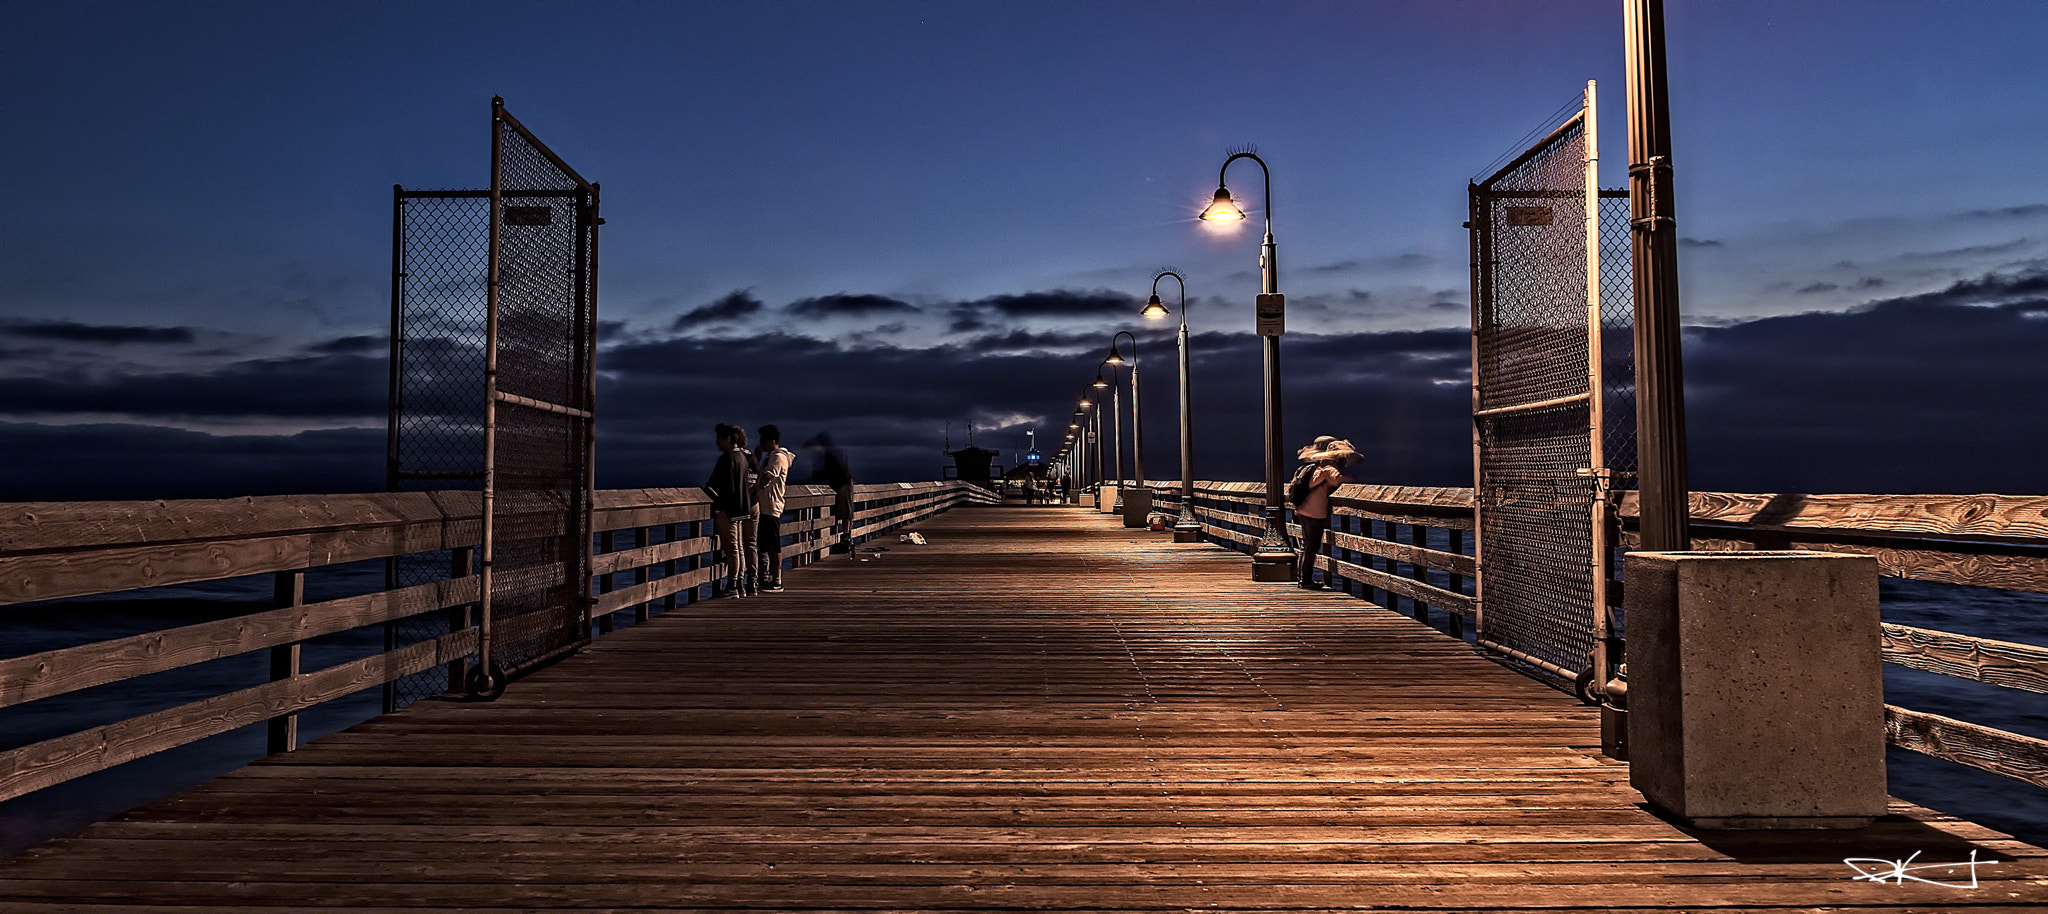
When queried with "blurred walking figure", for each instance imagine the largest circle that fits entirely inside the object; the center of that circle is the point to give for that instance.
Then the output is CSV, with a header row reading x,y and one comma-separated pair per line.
x,y
730,501
772,463
1309,492
830,468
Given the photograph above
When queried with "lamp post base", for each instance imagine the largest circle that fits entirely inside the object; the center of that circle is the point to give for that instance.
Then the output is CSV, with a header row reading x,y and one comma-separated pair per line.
x,y
1187,533
1273,567
1273,559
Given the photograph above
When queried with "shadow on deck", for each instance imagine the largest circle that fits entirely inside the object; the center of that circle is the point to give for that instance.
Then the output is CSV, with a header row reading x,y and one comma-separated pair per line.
x,y
1039,709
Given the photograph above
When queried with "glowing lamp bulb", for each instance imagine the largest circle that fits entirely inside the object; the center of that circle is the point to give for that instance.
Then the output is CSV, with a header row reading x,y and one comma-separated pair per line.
x,y
1154,308
1223,209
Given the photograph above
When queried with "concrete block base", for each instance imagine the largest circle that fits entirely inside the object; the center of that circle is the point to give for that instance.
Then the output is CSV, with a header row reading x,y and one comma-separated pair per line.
x,y
1189,535
1137,507
1755,688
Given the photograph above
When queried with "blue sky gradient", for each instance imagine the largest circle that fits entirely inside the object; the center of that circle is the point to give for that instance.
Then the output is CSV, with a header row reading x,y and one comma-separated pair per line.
x,y
882,218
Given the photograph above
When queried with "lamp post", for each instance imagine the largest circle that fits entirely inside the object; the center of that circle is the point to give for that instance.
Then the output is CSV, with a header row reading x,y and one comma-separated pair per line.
x,y
1137,422
1273,558
1116,425
1186,529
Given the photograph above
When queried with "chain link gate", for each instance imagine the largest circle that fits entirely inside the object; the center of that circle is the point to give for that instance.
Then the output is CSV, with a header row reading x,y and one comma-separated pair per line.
x,y
493,389
1551,358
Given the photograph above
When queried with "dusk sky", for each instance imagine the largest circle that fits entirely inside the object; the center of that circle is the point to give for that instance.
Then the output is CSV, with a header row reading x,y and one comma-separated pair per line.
x,y
882,218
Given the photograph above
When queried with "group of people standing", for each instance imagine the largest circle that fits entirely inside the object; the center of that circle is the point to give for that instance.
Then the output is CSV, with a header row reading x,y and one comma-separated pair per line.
x,y
747,489
747,500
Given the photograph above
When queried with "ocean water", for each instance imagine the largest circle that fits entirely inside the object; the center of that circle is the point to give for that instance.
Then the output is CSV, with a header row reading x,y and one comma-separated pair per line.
x,y
2007,805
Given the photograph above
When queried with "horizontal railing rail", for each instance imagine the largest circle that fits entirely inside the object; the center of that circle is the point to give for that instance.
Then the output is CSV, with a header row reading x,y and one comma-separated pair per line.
x,y
1387,543
55,551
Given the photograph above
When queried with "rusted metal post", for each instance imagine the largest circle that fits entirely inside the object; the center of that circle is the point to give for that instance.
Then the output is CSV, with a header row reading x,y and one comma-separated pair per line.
x,y
1653,234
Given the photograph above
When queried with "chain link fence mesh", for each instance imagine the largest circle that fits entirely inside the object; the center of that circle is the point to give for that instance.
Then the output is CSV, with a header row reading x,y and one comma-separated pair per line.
x,y
541,473
1533,361
441,269
546,265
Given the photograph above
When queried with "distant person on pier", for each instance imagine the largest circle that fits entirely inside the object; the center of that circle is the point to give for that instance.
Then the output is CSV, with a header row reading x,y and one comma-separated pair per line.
x,y
829,466
1309,492
730,501
750,524
771,463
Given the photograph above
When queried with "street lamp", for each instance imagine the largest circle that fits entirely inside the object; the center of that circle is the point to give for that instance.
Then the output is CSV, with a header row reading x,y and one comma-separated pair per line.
x,y
1137,426
1187,529
1116,424
1273,558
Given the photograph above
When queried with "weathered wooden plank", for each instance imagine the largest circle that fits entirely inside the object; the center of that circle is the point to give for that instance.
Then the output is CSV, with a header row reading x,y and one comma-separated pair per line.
x,y
2004,663
628,597
53,761
2019,517
644,556
2023,758
1402,552
1410,588
36,676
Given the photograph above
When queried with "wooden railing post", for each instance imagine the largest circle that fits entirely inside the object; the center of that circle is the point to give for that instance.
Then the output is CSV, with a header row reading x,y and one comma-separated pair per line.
x,y
461,564
642,574
1457,582
290,592
1418,536
606,541
668,568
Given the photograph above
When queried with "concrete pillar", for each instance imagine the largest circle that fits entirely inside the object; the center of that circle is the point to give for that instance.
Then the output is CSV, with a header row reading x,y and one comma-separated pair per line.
x,y
1137,507
1755,688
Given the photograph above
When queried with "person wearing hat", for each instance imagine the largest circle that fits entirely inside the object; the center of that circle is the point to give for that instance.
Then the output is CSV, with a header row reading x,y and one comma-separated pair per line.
x,y
1328,456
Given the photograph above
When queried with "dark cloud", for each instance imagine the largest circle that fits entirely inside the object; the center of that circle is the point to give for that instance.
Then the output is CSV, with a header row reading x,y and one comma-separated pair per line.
x,y
1058,304
849,305
731,307
323,387
75,332
1021,340
1913,394
2008,212
130,462
1701,243
351,345
1994,288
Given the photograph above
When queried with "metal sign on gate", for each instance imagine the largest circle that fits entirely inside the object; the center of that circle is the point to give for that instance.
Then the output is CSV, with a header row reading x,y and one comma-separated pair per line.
x,y
1544,314
494,388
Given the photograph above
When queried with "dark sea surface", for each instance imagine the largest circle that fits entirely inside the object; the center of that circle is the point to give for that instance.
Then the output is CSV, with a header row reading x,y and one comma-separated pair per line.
x,y
2004,804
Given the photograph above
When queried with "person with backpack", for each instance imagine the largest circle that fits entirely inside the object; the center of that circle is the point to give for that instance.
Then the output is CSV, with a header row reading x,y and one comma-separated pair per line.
x,y
1309,492
773,463
731,500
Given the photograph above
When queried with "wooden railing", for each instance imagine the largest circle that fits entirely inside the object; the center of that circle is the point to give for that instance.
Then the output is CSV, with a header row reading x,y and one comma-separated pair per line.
x,y
1387,543
1395,543
53,551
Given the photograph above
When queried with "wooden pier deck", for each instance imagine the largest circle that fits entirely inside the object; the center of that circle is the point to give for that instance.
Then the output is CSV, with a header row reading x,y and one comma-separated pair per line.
x,y
1037,710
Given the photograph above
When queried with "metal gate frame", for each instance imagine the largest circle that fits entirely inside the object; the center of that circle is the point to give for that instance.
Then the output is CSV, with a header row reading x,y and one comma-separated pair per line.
x,y
575,413
1493,408
537,486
